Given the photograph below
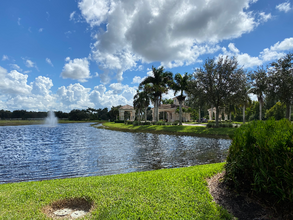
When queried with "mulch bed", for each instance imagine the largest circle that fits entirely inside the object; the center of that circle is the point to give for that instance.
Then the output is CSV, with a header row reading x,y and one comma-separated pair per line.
x,y
244,205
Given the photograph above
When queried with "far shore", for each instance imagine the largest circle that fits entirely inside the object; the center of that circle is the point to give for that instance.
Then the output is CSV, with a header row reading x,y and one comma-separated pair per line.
x,y
200,131
37,122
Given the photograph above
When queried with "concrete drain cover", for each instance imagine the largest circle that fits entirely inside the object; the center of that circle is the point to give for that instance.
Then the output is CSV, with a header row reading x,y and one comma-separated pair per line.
x,y
77,214
63,212
72,208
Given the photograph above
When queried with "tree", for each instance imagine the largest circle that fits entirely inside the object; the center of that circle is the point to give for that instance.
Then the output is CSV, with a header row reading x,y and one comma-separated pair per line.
x,y
180,84
277,111
156,86
259,82
281,81
243,96
219,81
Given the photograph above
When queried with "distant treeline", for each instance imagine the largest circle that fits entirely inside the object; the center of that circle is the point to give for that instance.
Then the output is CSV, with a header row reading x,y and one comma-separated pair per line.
x,y
75,114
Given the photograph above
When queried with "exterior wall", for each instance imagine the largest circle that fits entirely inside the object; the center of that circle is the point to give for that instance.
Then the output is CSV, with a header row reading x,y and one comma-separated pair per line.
x,y
122,111
172,115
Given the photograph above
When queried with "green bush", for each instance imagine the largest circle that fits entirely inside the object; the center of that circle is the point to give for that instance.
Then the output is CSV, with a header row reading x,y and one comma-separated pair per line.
x,y
135,123
147,123
119,121
175,123
260,158
128,122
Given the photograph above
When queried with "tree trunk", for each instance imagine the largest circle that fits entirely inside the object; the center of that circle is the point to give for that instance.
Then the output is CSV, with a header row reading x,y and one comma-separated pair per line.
x,y
145,113
199,118
138,115
244,114
158,116
230,114
155,109
180,112
217,116
260,107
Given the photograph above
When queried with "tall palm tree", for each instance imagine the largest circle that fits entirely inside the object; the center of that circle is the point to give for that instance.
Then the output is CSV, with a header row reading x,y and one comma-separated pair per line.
x,y
259,86
156,86
180,84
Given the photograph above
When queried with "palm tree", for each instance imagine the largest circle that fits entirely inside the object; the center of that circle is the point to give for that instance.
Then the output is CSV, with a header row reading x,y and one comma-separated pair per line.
x,y
156,86
259,86
141,100
180,85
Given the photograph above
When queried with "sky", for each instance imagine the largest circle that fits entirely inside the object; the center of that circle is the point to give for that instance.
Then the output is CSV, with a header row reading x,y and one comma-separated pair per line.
x,y
64,55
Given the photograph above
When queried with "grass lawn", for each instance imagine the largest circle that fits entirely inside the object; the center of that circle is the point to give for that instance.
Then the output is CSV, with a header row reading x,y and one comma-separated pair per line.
x,y
179,193
171,129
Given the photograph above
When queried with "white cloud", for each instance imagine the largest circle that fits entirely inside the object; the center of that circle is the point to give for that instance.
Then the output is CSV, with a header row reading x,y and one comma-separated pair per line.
x,y
29,63
137,79
41,29
42,86
13,83
268,54
71,16
18,21
15,66
264,17
286,44
5,57
16,93
74,96
77,69
285,7
172,32
49,62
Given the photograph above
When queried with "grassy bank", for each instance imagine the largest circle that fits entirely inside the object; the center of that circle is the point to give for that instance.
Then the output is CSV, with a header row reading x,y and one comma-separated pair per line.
x,y
34,122
180,193
168,129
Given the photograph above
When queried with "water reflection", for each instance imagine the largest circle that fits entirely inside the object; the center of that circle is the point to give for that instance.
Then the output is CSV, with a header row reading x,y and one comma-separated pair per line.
x,y
71,150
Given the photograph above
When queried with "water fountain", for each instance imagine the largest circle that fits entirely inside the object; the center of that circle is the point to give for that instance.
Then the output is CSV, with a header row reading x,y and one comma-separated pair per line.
x,y
51,119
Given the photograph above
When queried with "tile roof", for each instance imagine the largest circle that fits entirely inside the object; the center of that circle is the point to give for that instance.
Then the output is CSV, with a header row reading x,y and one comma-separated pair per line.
x,y
127,107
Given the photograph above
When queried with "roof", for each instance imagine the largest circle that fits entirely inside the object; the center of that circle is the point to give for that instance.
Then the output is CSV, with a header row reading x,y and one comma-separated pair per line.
x,y
127,107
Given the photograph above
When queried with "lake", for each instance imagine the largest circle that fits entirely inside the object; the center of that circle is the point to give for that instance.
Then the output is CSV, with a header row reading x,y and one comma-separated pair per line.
x,y
36,152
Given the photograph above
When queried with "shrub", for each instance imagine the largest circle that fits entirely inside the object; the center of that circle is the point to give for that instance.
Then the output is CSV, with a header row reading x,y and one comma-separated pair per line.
x,y
147,123
119,121
128,122
175,123
211,121
261,158
135,123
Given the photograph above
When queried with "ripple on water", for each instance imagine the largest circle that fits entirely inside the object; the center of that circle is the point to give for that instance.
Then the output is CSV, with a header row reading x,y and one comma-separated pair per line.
x,y
37,152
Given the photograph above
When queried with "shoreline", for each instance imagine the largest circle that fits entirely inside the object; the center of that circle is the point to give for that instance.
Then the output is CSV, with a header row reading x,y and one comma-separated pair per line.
x,y
198,131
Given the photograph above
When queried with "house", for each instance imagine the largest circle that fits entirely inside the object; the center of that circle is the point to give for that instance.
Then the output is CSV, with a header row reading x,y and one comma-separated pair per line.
x,y
170,109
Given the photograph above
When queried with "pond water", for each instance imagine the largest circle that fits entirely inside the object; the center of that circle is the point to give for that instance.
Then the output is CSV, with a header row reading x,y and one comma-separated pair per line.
x,y
36,152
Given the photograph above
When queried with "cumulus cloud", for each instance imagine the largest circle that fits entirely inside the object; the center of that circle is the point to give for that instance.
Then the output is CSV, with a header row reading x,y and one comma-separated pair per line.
x,y
5,57
49,62
285,7
13,82
77,69
172,32
268,54
42,86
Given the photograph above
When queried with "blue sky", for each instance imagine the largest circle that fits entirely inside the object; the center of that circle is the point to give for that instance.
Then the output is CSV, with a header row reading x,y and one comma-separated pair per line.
x,y
64,55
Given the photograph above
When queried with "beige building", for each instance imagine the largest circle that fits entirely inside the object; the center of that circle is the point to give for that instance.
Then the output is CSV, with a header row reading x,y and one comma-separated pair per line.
x,y
127,108
171,114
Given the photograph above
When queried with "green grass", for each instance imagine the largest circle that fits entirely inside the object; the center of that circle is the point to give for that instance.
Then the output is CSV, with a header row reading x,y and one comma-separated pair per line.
x,y
34,122
170,129
179,193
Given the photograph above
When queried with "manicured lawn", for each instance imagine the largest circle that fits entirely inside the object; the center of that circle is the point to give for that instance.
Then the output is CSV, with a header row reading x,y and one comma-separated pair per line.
x,y
179,193
171,129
